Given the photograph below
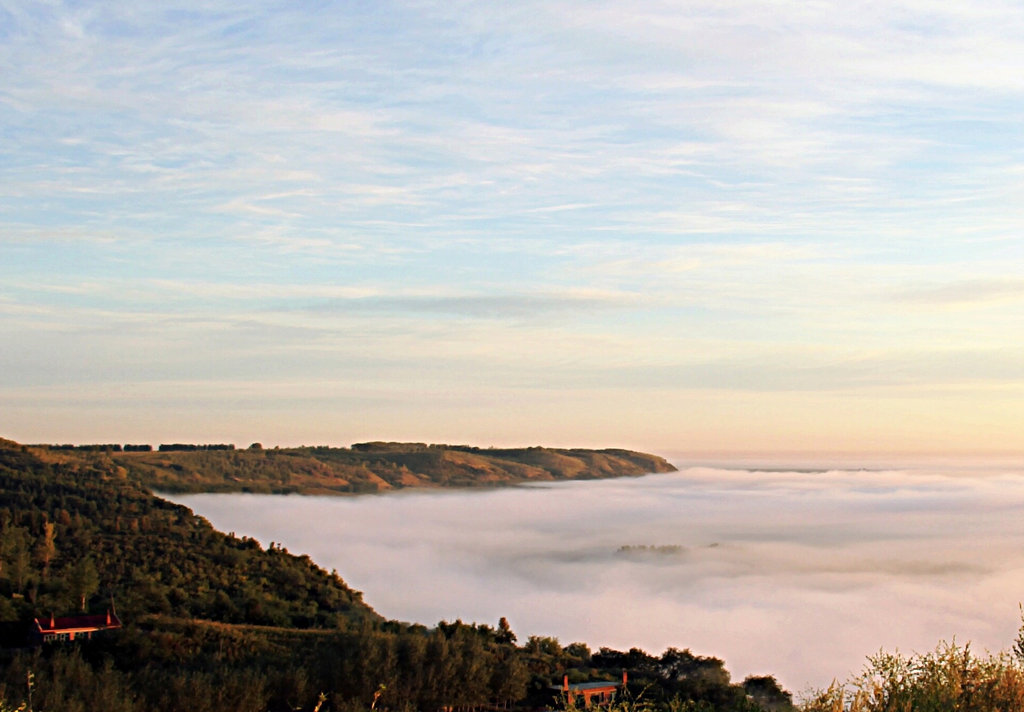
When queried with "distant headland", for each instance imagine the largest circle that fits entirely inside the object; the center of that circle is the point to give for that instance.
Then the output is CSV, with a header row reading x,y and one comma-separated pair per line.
x,y
362,468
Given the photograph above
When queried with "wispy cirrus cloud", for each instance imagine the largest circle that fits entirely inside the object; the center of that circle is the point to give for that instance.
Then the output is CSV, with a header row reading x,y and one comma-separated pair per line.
x,y
965,293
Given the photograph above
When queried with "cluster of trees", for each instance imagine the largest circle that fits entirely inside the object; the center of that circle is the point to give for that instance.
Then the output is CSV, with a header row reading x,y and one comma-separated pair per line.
x,y
200,665
129,447
109,447
657,549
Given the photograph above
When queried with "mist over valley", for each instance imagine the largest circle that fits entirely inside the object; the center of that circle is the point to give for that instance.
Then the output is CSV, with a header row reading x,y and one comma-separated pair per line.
x,y
799,573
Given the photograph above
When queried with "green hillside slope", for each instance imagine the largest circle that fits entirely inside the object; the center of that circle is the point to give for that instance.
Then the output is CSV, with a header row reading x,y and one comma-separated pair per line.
x,y
79,532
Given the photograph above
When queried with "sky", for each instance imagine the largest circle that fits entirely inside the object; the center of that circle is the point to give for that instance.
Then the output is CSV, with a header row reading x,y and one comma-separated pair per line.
x,y
698,226
797,574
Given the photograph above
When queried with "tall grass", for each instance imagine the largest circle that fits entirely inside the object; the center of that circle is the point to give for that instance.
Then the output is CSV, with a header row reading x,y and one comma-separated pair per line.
x,y
951,678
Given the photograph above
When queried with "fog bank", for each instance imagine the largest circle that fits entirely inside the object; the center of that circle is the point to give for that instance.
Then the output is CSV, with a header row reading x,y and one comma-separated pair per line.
x,y
800,574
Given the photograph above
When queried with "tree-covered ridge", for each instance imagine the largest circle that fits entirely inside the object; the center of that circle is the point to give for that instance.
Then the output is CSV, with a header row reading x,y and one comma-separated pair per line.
x,y
365,467
80,534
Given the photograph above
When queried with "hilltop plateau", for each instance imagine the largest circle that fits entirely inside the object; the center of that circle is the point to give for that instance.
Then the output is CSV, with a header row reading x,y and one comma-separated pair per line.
x,y
362,468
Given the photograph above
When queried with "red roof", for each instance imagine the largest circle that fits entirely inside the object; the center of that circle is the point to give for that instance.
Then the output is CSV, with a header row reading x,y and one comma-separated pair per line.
x,y
77,624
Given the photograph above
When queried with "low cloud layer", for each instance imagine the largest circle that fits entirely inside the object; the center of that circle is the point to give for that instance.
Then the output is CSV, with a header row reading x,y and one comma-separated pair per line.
x,y
797,574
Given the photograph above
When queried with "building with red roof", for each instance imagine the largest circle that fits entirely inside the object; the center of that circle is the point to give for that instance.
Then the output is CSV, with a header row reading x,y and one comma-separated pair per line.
x,y
600,692
74,627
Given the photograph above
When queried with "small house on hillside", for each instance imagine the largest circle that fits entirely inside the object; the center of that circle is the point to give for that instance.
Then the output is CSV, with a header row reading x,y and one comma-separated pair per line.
x,y
601,692
73,627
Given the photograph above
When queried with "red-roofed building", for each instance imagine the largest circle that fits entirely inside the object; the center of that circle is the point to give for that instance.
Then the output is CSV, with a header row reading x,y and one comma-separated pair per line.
x,y
72,627
590,692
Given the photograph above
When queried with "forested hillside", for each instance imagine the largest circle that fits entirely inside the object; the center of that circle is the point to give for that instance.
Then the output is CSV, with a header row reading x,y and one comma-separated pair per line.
x,y
75,533
365,467
213,622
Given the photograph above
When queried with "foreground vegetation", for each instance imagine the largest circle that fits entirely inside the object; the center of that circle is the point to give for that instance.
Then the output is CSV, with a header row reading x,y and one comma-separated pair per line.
x,y
365,467
950,678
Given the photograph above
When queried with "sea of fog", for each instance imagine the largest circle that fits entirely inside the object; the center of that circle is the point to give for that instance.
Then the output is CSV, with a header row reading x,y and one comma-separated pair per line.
x,y
800,574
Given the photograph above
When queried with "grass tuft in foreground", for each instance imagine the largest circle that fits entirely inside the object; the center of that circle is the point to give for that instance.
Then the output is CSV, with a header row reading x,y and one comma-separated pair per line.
x,y
950,678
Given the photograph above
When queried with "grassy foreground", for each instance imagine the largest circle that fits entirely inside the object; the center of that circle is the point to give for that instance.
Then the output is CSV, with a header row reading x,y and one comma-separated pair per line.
x,y
950,678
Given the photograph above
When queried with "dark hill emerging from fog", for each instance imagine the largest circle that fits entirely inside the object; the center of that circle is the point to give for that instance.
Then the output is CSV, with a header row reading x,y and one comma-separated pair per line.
x,y
365,467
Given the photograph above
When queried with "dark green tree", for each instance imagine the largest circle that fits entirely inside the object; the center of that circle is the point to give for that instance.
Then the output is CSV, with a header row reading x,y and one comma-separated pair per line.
x,y
17,557
504,635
